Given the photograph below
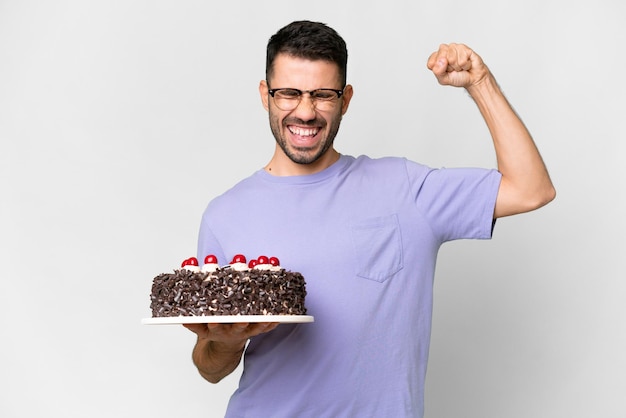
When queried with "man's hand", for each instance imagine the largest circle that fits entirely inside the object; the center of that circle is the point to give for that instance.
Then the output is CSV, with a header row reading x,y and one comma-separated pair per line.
x,y
219,347
457,65
230,334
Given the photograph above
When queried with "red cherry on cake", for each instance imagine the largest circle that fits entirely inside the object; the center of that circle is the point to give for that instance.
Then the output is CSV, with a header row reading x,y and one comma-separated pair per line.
x,y
210,259
252,263
263,260
274,261
239,258
193,261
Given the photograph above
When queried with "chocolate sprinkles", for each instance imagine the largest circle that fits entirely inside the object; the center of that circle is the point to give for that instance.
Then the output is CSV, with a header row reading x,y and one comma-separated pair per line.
x,y
228,292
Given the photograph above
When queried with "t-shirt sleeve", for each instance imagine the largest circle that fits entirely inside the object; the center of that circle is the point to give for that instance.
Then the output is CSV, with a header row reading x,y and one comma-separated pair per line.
x,y
458,202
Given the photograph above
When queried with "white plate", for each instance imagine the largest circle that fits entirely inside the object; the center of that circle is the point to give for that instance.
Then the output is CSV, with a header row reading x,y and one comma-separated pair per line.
x,y
230,319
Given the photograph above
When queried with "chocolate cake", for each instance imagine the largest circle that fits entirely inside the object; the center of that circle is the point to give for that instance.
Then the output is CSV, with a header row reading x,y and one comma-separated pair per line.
x,y
261,287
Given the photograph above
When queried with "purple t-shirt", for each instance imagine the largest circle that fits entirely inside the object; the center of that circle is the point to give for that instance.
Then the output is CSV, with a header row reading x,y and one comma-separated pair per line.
x,y
365,234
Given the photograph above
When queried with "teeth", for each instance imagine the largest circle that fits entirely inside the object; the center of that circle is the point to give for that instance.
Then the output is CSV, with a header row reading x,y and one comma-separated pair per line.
x,y
302,131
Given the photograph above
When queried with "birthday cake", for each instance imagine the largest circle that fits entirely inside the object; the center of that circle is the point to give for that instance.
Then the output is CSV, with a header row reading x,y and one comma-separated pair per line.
x,y
260,287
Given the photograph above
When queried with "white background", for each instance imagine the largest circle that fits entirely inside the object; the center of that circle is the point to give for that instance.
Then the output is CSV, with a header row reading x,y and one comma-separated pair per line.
x,y
120,120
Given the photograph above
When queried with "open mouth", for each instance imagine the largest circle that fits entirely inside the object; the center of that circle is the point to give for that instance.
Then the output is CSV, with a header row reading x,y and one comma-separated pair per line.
x,y
305,133
304,137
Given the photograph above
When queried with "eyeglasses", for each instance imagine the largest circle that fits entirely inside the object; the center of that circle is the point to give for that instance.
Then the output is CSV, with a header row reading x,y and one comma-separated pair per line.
x,y
322,99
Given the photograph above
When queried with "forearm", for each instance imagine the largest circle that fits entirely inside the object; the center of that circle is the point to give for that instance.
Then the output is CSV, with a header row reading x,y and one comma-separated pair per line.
x,y
216,360
526,184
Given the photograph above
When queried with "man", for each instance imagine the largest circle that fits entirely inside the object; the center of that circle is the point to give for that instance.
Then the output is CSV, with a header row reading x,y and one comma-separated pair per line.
x,y
364,233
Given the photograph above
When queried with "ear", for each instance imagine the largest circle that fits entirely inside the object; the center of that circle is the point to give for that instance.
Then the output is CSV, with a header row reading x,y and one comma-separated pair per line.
x,y
347,96
263,91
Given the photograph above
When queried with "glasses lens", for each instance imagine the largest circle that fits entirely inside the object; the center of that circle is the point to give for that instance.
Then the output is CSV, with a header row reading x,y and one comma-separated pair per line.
x,y
324,95
325,99
287,99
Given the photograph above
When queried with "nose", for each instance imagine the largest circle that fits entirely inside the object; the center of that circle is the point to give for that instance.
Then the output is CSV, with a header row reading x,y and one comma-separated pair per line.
x,y
306,108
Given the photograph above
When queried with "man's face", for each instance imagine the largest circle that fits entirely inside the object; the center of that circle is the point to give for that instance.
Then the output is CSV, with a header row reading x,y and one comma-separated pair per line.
x,y
305,134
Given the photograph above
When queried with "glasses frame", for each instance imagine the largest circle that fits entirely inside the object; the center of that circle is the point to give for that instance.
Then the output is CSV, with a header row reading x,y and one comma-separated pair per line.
x,y
311,93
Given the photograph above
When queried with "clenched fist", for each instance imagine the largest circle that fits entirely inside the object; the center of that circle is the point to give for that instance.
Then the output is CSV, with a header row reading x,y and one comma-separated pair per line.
x,y
457,65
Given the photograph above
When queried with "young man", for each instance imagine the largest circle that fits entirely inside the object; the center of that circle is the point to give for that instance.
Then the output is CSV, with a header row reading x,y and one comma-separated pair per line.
x,y
363,232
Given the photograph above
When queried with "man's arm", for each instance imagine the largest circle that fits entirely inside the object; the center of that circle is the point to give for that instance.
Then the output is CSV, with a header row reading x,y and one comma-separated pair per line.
x,y
525,184
219,347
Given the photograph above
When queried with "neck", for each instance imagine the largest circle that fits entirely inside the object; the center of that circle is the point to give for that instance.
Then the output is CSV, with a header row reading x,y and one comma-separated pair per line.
x,y
281,165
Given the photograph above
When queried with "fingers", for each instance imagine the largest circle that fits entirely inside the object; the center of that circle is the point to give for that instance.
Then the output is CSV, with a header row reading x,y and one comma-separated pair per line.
x,y
199,329
251,330
459,58
456,64
229,333
450,57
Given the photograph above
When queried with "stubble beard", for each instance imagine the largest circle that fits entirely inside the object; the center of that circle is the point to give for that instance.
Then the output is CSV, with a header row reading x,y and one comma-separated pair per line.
x,y
304,155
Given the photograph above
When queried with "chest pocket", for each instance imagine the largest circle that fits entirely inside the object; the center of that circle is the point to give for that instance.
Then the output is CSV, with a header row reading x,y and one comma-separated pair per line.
x,y
378,246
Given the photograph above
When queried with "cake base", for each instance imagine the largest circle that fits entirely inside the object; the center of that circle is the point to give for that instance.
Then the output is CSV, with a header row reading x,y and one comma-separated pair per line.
x,y
227,319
